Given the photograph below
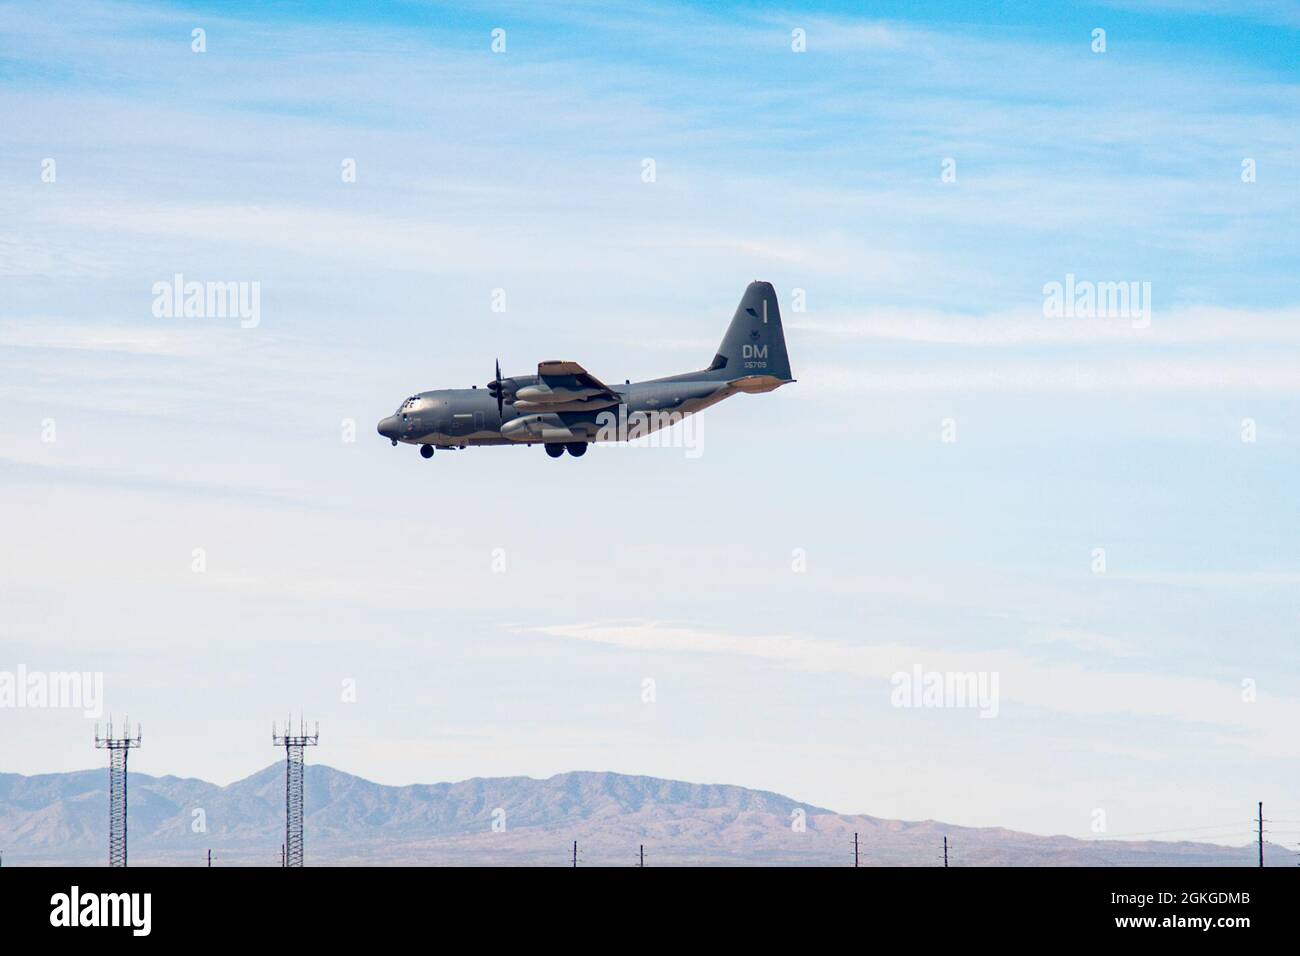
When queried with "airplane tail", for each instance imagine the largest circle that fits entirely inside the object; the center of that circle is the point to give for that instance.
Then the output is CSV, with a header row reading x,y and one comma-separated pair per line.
x,y
754,345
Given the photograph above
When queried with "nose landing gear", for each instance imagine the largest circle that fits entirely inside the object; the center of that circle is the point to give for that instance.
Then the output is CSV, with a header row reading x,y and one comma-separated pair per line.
x,y
426,451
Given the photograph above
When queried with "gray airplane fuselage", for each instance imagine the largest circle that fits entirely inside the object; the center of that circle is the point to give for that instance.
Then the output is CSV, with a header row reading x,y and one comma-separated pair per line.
x,y
564,405
457,417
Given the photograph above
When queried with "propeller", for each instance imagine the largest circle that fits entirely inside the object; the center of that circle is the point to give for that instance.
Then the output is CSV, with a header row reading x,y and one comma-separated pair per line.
x,y
495,388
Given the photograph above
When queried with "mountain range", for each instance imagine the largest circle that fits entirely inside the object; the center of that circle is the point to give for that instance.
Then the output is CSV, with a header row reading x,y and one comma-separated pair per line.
x,y
62,819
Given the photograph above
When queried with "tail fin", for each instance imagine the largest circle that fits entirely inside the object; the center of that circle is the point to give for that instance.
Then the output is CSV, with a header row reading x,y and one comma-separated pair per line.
x,y
754,344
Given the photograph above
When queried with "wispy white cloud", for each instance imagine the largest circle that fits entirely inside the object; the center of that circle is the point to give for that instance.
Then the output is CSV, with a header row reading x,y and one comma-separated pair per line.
x,y
1281,12
1276,375
1053,687
41,332
1177,325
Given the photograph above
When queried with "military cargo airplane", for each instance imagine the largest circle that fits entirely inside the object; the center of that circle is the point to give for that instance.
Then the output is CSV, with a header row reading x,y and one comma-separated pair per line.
x,y
564,407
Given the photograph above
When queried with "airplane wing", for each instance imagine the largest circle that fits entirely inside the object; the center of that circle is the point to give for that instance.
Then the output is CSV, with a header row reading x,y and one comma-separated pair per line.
x,y
569,376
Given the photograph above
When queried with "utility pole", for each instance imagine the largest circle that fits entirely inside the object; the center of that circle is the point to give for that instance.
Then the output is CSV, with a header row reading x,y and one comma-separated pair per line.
x,y
293,745
1261,833
209,858
642,863
945,853
118,748
855,848
575,854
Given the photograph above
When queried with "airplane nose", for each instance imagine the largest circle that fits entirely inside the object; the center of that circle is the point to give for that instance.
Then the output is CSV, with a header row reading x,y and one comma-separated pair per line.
x,y
388,427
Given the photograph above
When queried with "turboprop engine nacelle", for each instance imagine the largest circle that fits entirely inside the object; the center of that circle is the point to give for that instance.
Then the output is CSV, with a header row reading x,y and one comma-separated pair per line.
x,y
587,406
544,395
545,427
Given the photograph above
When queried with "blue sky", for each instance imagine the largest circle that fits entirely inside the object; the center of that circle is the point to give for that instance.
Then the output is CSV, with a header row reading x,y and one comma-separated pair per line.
x,y
331,560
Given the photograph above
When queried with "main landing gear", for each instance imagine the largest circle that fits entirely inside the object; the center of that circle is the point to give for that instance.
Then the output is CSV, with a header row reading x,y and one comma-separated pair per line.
x,y
426,451
575,448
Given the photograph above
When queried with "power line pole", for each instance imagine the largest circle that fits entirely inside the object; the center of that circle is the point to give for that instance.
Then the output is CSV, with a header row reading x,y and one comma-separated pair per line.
x,y
575,854
209,858
945,852
855,848
642,863
1261,833
118,748
293,745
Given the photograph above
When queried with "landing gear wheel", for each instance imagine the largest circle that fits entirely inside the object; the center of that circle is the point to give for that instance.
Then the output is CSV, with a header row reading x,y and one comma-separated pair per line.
x,y
577,448
426,451
554,449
